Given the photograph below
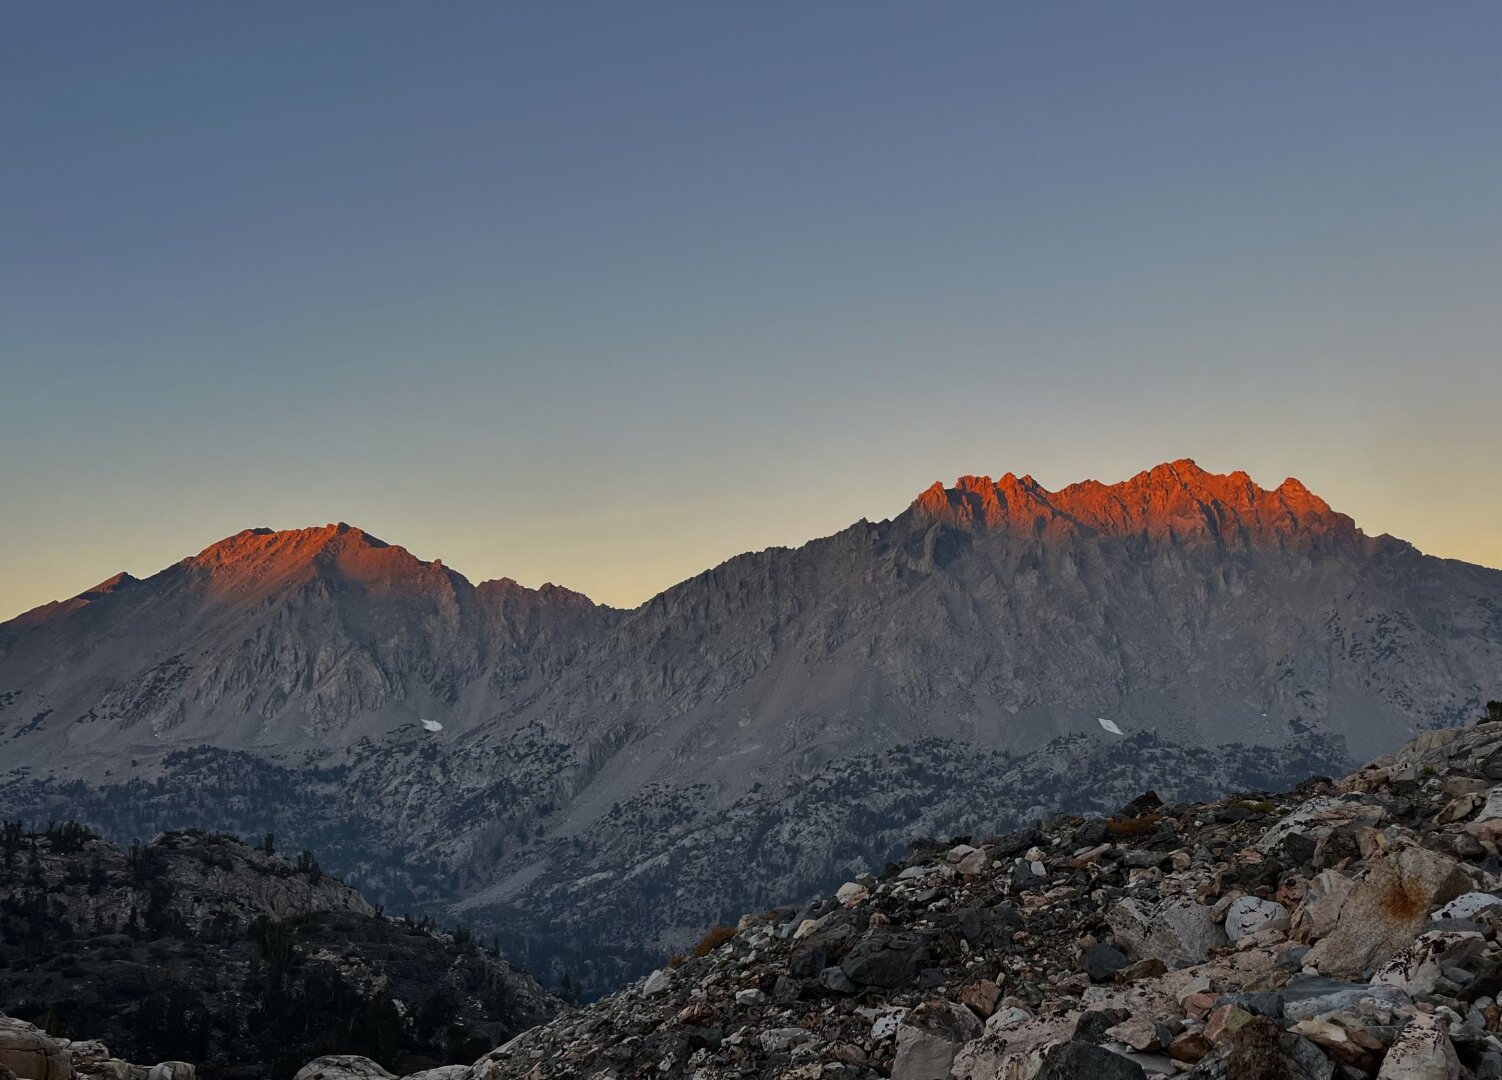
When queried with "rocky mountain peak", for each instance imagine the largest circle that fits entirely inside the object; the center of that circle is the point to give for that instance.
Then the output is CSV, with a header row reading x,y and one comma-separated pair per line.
x,y
256,561
47,613
505,587
108,585
1176,501
263,547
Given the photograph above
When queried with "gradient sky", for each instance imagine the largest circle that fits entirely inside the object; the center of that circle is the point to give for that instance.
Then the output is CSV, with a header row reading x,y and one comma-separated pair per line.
x,y
603,294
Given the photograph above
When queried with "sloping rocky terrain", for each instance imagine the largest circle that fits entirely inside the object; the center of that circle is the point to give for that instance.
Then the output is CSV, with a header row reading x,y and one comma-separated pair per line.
x,y
198,947
1342,930
549,769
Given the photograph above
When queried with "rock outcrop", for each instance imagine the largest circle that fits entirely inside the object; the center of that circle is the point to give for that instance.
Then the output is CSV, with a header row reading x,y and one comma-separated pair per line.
x,y
197,947
29,1053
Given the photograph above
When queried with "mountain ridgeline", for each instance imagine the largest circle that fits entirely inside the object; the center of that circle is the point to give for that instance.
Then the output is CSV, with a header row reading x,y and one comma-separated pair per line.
x,y
596,786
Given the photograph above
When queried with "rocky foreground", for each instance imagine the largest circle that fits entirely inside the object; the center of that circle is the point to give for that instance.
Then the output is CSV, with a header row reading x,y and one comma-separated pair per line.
x,y
1343,930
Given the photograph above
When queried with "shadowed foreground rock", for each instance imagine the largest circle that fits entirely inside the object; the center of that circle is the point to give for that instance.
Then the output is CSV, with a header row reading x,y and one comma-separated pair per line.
x,y
198,947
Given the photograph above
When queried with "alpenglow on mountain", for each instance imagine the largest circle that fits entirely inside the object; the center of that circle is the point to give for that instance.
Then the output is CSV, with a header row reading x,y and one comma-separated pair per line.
x,y
605,784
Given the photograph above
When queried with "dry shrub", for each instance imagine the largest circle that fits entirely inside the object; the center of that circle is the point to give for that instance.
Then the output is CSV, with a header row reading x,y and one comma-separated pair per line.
x,y
713,940
1137,826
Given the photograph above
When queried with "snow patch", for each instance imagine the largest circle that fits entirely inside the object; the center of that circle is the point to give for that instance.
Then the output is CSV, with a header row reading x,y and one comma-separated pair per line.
x,y
1110,726
431,725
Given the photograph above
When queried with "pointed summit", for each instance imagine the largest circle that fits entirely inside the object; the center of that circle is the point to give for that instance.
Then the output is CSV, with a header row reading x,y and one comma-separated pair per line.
x,y
59,609
258,560
107,586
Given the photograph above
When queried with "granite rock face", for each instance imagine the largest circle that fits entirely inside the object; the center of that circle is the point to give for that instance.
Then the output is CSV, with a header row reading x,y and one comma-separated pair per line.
x,y
29,1053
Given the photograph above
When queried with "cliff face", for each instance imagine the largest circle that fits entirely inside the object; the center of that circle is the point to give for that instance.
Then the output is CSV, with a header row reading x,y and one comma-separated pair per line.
x,y
949,667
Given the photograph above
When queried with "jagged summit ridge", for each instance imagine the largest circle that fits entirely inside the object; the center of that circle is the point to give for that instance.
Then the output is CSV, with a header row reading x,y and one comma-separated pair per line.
x,y
266,555
1176,501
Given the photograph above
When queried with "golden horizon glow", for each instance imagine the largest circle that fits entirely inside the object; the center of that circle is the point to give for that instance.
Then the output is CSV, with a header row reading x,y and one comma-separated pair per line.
x,y
624,556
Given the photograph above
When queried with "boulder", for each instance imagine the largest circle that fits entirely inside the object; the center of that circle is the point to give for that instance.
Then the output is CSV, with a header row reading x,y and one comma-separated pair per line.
x,y
1226,1020
1139,1033
102,1069
1423,1052
1027,876
986,925
442,1072
87,1051
1189,1047
974,864
781,1039
1467,905
1250,914
1052,1060
1315,819
32,1054
1416,969
1177,931
1142,969
1091,1026
929,1038
851,893
1491,810
1260,1050
980,997
1354,1046
885,959
1101,962
1308,996
887,1023
1387,908
1011,1016
1324,899
1085,1061
342,1067
832,978
181,1070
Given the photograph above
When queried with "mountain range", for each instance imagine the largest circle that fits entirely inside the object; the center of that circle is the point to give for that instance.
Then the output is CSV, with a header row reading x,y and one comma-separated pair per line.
x,y
554,770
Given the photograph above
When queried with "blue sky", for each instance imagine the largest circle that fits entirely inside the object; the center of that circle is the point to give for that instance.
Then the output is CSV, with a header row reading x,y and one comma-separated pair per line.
x,y
603,294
